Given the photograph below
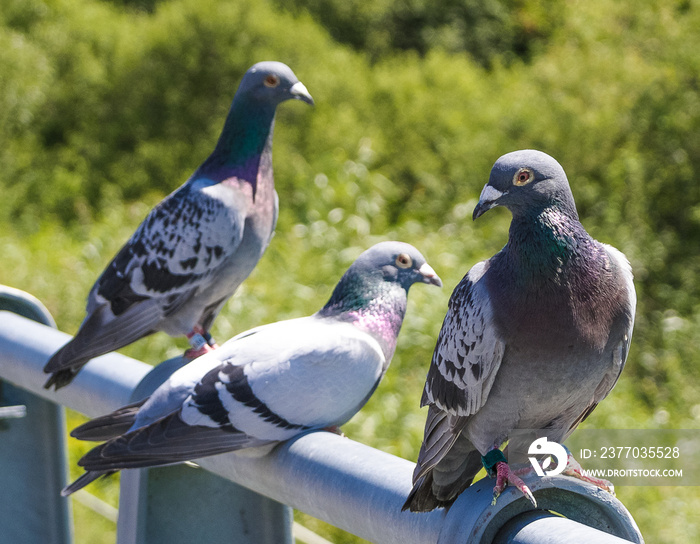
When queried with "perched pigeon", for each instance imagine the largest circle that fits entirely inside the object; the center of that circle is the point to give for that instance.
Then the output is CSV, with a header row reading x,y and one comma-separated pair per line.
x,y
196,247
534,337
273,382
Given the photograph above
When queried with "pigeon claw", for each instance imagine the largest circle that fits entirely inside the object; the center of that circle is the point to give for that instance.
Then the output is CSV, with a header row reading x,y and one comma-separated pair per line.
x,y
504,476
574,469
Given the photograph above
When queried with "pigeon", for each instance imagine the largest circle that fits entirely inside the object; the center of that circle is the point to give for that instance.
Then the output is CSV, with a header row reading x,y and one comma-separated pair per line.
x,y
273,382
197,246
533,339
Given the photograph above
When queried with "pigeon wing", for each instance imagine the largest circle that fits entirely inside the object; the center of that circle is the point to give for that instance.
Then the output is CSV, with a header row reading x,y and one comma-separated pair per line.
x,y
332,365
468,352
176,252
465,361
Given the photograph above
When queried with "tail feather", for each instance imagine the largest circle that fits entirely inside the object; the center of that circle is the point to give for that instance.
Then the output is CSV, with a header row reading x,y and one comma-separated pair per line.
x,y
447,463
421,498
63,377
439,488
83,480
101,333
167,441
109,426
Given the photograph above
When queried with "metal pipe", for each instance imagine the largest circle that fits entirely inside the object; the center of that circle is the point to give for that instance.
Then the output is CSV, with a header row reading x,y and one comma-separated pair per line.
x,y
529,527
105,384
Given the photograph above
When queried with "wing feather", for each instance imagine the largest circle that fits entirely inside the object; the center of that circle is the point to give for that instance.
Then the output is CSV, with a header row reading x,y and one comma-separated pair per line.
x,y
468,352
167,441
265,371
175,250
174,254
109,426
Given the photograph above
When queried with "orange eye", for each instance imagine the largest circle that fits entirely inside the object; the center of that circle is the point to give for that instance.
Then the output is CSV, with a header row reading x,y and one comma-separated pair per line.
x,y
523,177
404,261
272,81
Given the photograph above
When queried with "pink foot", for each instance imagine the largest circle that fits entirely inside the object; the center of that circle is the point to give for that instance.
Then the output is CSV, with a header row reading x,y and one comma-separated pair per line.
x,y
193,353
334,429
574,469
504,476
201,343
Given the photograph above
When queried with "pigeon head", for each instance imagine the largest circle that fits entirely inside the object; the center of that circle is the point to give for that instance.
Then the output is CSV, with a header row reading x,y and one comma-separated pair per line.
x,y
526,181
394,262
247,134
385,271
372,294
273,82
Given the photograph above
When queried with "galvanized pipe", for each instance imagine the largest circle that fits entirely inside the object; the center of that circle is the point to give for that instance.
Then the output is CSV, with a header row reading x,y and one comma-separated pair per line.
x,y
529,527
103,385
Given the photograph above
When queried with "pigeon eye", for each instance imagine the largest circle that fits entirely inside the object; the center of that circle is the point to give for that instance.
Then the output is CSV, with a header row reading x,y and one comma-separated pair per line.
x,y
272,81
523,177
404,261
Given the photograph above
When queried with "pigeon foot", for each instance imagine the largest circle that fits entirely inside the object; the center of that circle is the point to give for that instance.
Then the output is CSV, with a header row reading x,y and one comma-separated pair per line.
x,y
193,353
496,465
201,342
504,476
574,469
335,429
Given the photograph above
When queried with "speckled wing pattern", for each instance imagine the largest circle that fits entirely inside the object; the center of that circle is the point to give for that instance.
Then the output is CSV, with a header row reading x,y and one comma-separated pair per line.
x,y
265,371
174,255
468,352
176,249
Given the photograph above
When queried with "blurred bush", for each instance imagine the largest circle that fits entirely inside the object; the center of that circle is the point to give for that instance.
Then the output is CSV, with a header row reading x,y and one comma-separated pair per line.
x,y
489,30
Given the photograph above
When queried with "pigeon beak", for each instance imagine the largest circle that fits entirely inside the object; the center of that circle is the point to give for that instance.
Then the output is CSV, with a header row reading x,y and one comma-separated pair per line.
x,y
487,200
429,275
298,91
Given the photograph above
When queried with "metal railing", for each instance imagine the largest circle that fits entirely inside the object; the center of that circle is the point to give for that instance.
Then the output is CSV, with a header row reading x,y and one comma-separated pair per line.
x,y
237,498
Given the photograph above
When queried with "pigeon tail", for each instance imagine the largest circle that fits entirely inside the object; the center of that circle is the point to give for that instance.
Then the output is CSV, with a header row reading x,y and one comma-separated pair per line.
x,y
62,377
109,426
447,463
101,333
436,490
84,480
167,441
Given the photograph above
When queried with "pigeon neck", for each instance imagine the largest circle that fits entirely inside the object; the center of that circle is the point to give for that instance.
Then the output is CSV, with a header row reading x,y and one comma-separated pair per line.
x,y
376,307
245,140
553,276
543,243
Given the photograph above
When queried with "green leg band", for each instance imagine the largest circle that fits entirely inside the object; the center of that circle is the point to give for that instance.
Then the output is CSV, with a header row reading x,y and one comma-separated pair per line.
x,y
491,459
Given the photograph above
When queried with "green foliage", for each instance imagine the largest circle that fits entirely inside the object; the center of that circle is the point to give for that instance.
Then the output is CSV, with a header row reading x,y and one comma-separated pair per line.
x,y
489,30
105,107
